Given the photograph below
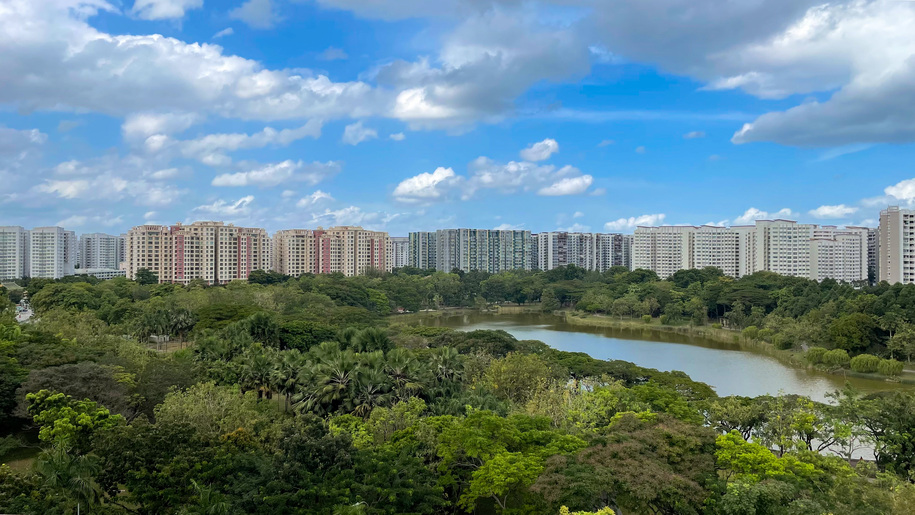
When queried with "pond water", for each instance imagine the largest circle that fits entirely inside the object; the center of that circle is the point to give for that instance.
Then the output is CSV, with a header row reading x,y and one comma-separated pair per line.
x,y
729,369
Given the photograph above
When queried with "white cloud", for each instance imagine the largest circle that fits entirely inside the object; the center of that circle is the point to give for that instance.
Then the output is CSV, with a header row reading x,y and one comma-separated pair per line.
x,y
227,208
333,54
149,215
284,172
640,150
540,151
54,60
634,221
426,187
606,143
106,219
575,227
514,176
228,31
508,227
163,9
288,193
351,215
140,126
313,199
833,212
751,215
694,135
258,14
398,136
68,125
355,134
111,188
568,186
166,173
578,214
212,148
901,193
14,142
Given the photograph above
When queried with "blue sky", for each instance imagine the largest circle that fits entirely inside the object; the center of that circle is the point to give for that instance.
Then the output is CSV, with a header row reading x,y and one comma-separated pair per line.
x,y
412,115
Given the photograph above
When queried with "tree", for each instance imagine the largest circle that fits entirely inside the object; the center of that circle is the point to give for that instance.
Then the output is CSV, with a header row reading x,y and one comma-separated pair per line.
x,y
853,332
548,301
501,475
69,423
146,276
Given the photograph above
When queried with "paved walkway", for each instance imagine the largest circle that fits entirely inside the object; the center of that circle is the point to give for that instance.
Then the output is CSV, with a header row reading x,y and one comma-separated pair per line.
x,y
23,316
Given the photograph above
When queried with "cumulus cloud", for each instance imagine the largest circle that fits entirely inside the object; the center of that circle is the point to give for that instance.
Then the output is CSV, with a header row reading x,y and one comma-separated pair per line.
x,y
540,151
227,208
833,212
137,127
275,174
355,134
313,199
258,14
567,186
632,222
163,9
212,149
751,215
14,142
901,193
426,186
53,59
106,219
694,135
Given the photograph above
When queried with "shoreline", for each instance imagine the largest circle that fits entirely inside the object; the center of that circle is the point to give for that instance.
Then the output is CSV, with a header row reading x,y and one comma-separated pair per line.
x,y
792,358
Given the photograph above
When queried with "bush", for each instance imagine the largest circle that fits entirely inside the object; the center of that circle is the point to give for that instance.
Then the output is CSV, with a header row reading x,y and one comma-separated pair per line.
x,y
836,358
766,334
751,332
865,363
890,367
664,319
784,342
646,319
716,325
815,355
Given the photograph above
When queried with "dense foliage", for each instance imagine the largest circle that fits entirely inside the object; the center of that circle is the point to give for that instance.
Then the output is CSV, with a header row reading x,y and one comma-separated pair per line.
x,y
304,396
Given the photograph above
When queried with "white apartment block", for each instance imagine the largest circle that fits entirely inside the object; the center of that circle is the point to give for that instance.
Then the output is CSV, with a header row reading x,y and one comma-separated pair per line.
x,y
484,250
102,273
896,235
781,246
101,251
348,250
400,252
14,252
422,251
212,251
52,252
591,251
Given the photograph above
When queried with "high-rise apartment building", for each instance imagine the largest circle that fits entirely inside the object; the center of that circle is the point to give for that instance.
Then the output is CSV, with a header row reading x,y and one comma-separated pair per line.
x,y
14,252
422,252
781,246
896,263
52,252
347,250
485,250
591,251
400,251
212,251
99,250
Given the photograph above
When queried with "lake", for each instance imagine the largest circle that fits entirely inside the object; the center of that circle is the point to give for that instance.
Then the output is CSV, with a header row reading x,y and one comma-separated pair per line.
x,y
729,369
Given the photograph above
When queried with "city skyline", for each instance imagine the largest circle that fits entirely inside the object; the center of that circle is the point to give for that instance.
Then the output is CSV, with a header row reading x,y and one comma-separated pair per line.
x,y
540,116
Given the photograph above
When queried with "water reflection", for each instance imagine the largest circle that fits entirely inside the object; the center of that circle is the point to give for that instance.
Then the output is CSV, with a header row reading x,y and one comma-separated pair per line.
x,y
729,370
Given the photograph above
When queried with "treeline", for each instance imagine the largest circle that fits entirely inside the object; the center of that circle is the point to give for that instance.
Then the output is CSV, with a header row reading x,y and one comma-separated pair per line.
x,y
301,396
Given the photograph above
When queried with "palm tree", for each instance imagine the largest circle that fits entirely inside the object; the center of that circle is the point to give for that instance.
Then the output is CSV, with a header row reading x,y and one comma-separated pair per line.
x,y
405,374
371,389
286,373
70,474
256,371
326,386
347,337
372,339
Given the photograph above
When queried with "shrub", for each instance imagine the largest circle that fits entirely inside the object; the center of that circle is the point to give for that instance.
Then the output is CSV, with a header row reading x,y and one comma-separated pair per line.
x,y
646,319
865,363
766,334
836,358
716,325
783,342
815,355
751,332
664,319
890,367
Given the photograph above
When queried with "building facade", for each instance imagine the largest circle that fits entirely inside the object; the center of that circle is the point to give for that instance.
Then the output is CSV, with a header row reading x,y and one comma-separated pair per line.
x,y
591,251
212,251
400,251
98,250
52,252
14,252
422,252
483,250
896,246
348,250
781,246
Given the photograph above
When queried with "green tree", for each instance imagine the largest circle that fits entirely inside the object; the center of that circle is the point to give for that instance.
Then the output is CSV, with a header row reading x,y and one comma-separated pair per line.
x,y
146,276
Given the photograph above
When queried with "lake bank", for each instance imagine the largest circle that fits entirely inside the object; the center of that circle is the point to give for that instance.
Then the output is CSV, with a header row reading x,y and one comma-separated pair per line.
x,y
732,368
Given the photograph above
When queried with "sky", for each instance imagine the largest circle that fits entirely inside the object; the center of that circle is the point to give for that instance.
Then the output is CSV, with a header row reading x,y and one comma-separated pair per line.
x,y
411,115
